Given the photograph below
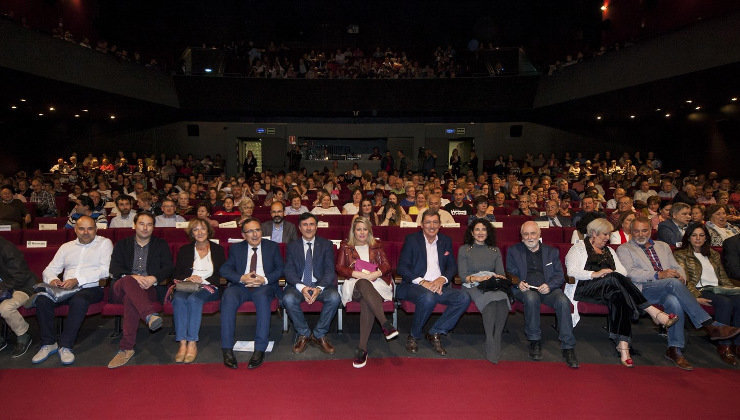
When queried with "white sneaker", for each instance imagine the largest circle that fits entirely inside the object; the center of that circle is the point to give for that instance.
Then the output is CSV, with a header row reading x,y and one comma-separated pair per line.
x,y
44,353
66,356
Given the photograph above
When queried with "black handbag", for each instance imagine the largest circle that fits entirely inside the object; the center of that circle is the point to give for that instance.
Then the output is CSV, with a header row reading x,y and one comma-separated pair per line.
x,y
493,284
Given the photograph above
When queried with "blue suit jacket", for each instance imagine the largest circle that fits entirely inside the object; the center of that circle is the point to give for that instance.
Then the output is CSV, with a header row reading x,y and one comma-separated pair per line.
x,y
236,265
413,260
668,232
323,262
516,264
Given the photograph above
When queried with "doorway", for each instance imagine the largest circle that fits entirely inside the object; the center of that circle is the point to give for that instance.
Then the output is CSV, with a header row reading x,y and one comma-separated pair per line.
x,y
247,144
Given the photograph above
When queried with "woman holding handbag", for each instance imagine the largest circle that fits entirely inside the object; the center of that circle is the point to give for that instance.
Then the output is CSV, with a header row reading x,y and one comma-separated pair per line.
x,y
367,272
480,265
196,282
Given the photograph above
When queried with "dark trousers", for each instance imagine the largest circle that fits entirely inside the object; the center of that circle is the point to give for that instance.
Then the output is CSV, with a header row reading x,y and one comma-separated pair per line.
x,y
456,300
556,300
621,296
78,304
137,305
726,311
371,309
233,297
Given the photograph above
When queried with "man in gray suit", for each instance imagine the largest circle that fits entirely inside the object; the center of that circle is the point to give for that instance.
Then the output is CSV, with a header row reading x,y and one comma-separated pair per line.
x,y
552,208
277,228
652,267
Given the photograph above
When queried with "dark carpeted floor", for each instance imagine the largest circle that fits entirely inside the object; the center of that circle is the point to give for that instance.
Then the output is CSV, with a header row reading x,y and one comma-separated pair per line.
x,y
95,348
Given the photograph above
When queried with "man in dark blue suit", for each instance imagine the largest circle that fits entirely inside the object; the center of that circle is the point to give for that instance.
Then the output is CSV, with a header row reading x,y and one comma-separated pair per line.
x,y
671,231
427,266
541,275
253,270
310,276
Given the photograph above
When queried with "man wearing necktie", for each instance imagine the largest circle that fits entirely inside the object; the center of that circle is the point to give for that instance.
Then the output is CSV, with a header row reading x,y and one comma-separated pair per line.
x,y
552,217
253,270
310,277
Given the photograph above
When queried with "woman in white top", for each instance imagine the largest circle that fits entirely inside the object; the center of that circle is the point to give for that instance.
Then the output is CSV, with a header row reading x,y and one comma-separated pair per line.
x,y
198,262
707,280
354,206
717,223
622,235
601,278
326,206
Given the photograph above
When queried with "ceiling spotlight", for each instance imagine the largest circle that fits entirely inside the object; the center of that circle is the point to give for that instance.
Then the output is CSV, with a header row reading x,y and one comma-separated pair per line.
x,y
77,115
668,115
697,108
51,108
84,110
603,8
23,100
207,70
688,101
41,115
734,99
632,117
13,107
658,109
113,117
598,117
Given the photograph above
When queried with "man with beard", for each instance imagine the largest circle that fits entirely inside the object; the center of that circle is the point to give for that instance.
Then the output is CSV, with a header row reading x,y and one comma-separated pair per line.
x,y
125,218
652,267
279,229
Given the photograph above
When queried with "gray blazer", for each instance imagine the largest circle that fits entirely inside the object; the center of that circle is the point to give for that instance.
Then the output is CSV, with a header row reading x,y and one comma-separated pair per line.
x,y
637,263
290,232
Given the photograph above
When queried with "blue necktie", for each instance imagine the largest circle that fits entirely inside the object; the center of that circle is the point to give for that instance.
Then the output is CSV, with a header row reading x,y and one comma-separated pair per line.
x,y
308,267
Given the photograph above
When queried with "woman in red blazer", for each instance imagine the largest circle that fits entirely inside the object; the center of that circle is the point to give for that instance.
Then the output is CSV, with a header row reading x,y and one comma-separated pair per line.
x,y
367,278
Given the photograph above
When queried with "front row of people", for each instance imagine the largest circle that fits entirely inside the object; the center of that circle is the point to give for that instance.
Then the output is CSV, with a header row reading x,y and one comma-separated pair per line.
x,y
426,265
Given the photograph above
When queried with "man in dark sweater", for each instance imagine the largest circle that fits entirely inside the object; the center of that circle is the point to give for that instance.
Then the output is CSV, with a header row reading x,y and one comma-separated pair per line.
x,y
457,206
137,265
17,281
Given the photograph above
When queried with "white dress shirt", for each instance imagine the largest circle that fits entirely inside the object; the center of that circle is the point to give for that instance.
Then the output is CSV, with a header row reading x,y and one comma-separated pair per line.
x,y
87,263
433,272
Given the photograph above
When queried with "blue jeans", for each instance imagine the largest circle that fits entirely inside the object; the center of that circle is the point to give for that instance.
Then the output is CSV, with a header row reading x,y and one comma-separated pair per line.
x,y
675,298
556,300
292,304
188,311
233,297
457,302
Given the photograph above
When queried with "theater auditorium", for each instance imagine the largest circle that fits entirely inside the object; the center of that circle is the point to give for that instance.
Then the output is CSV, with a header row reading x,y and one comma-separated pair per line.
x,y
318,209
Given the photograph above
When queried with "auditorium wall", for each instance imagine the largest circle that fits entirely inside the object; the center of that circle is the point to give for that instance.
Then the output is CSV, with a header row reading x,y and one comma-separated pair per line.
x,y
490,139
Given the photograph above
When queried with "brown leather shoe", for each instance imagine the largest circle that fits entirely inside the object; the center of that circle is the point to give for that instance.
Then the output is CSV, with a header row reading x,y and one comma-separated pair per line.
x,y
411,345
675,356
323,343
436,343
300,344
192,352
721,332
726,355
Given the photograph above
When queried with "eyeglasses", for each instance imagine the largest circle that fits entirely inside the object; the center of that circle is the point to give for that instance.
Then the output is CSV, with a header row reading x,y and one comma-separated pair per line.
x,y
251,231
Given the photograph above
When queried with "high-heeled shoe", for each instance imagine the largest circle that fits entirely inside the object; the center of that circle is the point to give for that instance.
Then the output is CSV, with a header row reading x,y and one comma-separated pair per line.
x,y
180,356
192,352
625,350
670,319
